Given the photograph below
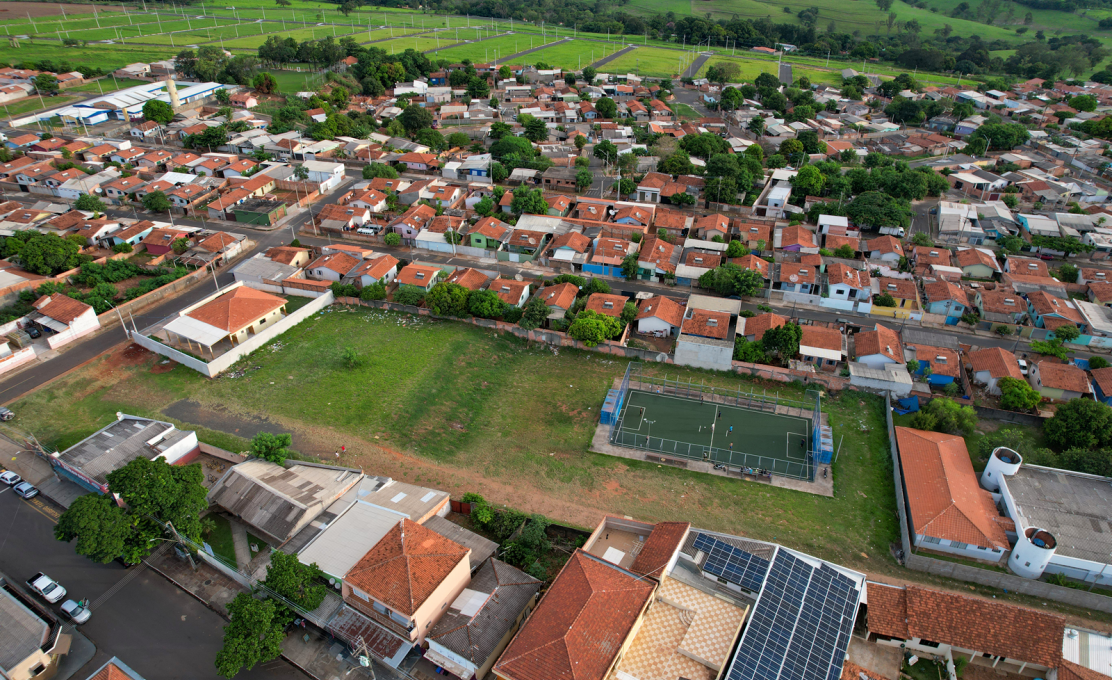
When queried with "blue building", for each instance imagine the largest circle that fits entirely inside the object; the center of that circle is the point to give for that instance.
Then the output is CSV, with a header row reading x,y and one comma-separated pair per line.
x,y
1102,384
946,299
940,364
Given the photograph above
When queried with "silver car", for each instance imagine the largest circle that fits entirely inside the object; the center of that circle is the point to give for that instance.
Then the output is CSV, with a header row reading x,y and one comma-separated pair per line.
x,y
76,611
25,490
10,478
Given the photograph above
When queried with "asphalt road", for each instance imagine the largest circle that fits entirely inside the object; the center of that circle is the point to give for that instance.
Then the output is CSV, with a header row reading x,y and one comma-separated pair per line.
x,y
149,623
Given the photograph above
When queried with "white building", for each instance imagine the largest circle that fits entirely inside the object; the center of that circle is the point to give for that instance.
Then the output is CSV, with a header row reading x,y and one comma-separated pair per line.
x,y
329,175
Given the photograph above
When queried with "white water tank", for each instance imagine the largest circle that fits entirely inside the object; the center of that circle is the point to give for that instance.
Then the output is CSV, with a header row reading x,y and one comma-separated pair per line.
x,y
1003,462
1032,552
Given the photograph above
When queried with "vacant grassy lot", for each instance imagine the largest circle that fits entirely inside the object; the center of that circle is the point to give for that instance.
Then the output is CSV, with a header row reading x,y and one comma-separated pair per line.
x,y
461,408
34,104
107,57
647,61
750,69
106,85
487,49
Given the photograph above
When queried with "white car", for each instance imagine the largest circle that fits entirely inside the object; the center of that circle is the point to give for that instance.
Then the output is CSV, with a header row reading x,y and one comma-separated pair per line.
x,y
75,612
48,588
10,478
1023,367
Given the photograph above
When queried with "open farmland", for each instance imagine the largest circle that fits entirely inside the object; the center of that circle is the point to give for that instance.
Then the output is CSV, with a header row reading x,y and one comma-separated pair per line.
x,y
107,57
485,50
572,55
647,61
421,44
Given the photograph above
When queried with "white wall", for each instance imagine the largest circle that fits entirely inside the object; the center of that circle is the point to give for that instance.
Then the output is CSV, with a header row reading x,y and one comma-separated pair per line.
x,y
83,325
971,551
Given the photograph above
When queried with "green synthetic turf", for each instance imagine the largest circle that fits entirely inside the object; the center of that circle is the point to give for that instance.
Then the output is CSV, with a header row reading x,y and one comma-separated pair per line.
x,y
681,426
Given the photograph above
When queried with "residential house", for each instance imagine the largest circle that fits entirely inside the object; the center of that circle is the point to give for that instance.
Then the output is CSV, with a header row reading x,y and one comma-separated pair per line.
x,y
797,238
939,364
946,299
977,263
571,246
924,256
753,263
949,511
343,217
489,233
1058,381
879,347
295,257
471,279
120,190
607,304
796,277
526,241
407,580
709,226
657,260
381,269
886,248
372,200
1047,311
1102,384
1000,305
133,234
988,366
754,328
823,347
65,318
660,316
332,266
846,283
329,175
559,298
420,162
419,276
902,291
161,241
513,293
146,130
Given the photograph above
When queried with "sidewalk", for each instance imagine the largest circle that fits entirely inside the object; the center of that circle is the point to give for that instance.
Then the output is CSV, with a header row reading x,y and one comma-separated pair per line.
x,y
311,650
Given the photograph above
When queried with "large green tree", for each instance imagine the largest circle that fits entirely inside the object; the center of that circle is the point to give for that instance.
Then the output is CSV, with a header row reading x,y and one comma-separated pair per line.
x,y
272,447
1080,423
782,341
90,203
1018,395
302,584
486,304
730,279
158,111
448,299
591,328
156,201
415,118
104,530
49,254
253,636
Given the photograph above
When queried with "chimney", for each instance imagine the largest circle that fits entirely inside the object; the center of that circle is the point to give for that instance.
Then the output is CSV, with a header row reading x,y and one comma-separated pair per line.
x,y
172,89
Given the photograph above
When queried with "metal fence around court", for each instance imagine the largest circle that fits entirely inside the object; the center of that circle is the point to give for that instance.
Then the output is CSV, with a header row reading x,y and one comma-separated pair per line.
x,y
736,461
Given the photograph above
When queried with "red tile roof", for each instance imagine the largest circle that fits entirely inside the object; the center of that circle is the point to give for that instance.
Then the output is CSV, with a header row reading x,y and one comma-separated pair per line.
x,y
945,498
1066,377
471,279
839,273
696,258
821,337
834,242
561,295
341,263
658,252
713,222
972,256
669,311
605,303
1103,378
1045,303
797,236
234,311
417,275
999,362
944,290
797,272
573,240
61,308
883,340
659,548
375,267
580,625
988,626
752,262
508,290
885,244
931,255
406,566
1071,671
947,366
757,325
706,323
997,302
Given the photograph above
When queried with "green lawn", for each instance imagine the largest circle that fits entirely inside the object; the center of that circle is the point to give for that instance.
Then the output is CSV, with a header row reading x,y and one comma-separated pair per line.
x,y
301,34
220,538
684,111
291,81
262,545
648,61
486,50
32,104
106,85
421,44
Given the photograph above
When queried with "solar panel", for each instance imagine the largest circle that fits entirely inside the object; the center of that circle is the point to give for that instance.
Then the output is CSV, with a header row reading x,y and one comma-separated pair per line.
x,y
731,563
801,625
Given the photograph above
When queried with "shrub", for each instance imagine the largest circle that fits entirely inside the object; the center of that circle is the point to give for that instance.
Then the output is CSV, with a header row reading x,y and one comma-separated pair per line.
x,y
123,248
1098,362
392,239
375,292
407,295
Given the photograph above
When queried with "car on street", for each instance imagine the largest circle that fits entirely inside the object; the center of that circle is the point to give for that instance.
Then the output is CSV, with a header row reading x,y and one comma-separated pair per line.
x,y
75,611
25,490
48,588
10,478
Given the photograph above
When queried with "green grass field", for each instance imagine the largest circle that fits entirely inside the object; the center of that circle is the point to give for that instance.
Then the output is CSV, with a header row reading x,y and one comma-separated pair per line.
x,y
486,50
220,538
299,34
32,104
106,85
107,57
291,82
572,55
750,69
648,61
421,44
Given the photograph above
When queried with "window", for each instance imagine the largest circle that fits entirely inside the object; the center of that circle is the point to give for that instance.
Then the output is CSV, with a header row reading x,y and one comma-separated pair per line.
x,y
931,539
380,608
959,545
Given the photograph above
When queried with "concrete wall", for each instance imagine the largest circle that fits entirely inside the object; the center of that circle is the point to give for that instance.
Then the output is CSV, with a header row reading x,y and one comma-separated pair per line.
x,y
225,361
1009,416
16,359
704,356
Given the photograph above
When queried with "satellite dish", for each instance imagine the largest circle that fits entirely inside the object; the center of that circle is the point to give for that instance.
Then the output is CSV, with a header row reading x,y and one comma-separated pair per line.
x,y
793,278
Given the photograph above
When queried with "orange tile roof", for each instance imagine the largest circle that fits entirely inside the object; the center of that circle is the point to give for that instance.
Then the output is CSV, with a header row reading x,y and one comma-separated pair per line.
x,y
572,239
605,303
821,337
490,227
715,222
797,236
508,290
285,254
758,325
1025,266
1066,377
943,493
988,626
931,255
839,273
525,238
634,213
113,672
561,295
696,258
61,308
666,309
238,309
611,250
658,252
669,219
928,353
417,275
1044,303
659,548
406,566
217,242
944,290
883,340
753,263
996,301
341,263
796,272
1071,671
972,256
706,323
885,244
471,279
901,289
999,362
376,267
1103,378
580,625
834,242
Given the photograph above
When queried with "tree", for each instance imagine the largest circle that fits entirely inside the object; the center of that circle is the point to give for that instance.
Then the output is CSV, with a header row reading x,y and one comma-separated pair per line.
x,y
264,83
528,201
583,179
591,328
682,198
1098,362
877,209
1011,201
589,74
630,267
606,151
791,149
1010,243
392,239
534,313
736,249
536,130
512,146
46,83
124,247
782,341
756,126
373,292
1052,348
606,107
945,415
1018,395
224,96
415,118
485,206
90,203
409,295
156,201
271,447
300,583
1002,136
253,636
48,254
458,139
171,493
102,528
158,111
730,280
1067,333
486,304
808,181
845,252
1080,423
448,299
373,170
751,352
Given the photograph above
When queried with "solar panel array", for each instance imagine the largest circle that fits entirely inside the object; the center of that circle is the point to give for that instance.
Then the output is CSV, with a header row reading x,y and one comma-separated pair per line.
x,y
801,625
731,563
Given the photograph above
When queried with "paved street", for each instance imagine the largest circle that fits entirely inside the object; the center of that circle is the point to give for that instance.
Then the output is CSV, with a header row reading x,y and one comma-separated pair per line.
x,y
154,627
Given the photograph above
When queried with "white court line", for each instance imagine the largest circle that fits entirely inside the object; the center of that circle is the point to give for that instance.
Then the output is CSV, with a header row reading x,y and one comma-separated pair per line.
x,y
788,446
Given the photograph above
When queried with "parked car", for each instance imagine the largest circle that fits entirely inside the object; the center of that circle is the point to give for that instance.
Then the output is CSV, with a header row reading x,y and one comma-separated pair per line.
x,y
6,413
75,611
1023,367
10,478
26,490
48,588
34,333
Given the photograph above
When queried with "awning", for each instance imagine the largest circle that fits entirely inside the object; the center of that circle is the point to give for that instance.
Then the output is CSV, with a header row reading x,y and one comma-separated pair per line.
x,y
56,326
449,665
197,331
832,354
